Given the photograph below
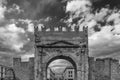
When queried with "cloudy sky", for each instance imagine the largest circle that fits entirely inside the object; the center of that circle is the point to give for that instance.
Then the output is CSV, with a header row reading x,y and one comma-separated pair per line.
x,y
17,18
58,66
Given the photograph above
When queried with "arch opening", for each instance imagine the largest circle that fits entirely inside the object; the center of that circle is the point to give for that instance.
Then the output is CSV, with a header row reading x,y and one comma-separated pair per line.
x,y
61,68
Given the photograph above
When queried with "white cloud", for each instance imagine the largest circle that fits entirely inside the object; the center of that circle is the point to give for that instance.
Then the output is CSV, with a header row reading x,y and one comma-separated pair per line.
x,y
115,17
59,65
91,23
101,15
101,37
117,29
13,28
11,37
30,27
104,42
2,11
26,57
78,7
104,36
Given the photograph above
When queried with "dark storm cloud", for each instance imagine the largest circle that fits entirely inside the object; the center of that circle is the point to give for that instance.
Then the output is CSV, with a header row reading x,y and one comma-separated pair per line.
x,y
21,24
97,4
36,9
52,13
54,22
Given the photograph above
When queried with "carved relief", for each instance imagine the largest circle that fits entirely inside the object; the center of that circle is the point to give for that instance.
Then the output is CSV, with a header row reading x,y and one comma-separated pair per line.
x,y
37,37
77,53
42,52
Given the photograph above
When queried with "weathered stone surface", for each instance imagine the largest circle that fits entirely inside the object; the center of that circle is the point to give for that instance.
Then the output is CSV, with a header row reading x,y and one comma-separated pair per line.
x,y
24,70
69,45
98,69
104,69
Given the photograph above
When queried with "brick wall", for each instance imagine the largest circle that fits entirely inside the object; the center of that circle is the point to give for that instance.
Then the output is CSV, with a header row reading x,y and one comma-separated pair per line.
x,y
91,68
104,69
24,70
99,69
115,70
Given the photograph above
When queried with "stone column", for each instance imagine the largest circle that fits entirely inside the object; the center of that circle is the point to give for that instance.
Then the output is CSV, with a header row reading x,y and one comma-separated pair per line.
x,y
44,73
79,66
38,64
82,68
86,66
79,76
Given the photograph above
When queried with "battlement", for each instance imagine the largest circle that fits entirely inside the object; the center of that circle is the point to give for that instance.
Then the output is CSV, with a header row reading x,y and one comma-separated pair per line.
x,y
60,29
60,34
19,62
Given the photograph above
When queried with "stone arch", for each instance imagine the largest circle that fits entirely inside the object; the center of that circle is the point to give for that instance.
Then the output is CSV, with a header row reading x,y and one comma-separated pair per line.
x,y
69,58
48,58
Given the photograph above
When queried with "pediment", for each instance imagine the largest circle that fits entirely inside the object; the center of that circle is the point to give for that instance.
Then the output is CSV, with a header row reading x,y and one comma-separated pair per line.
x,y
60,43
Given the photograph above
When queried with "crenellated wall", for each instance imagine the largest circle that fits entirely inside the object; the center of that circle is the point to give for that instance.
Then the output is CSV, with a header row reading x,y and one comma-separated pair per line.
x,y
104,69
99,69
24,70
115,70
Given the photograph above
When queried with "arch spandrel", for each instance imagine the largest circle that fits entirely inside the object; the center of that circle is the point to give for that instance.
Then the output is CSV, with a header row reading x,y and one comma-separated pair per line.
x,y
49,58
61,51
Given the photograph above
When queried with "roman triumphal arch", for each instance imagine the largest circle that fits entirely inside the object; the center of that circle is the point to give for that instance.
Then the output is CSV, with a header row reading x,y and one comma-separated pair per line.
x,y
61,43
